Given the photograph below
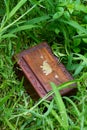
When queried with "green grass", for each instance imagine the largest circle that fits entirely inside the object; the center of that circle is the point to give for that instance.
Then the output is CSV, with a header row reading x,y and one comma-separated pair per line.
x,y
63,24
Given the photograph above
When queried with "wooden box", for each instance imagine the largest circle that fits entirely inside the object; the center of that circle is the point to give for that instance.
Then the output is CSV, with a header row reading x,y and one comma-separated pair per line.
x,y
40,67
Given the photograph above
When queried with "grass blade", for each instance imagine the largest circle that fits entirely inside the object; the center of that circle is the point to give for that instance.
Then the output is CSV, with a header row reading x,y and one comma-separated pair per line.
x,y
49,109
4,99
56,116
79,68
9,124
74,106
15,9
38,19
75,25
7,7
8,36
61,106
24,27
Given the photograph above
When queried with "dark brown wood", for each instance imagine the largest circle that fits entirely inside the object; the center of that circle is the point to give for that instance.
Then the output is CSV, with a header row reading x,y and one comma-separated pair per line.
x,y
40,67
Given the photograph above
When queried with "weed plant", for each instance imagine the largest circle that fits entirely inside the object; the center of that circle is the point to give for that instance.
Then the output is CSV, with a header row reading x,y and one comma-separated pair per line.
x,y
63,24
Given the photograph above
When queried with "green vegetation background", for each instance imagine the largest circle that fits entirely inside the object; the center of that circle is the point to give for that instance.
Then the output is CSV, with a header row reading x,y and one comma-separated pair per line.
x,y
63,24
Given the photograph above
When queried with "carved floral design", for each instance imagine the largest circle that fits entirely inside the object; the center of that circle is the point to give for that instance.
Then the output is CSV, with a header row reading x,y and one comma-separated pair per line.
x,y
46,68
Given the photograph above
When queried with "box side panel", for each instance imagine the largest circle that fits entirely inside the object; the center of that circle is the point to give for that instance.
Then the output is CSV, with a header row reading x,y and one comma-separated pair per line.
x,y
32,85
